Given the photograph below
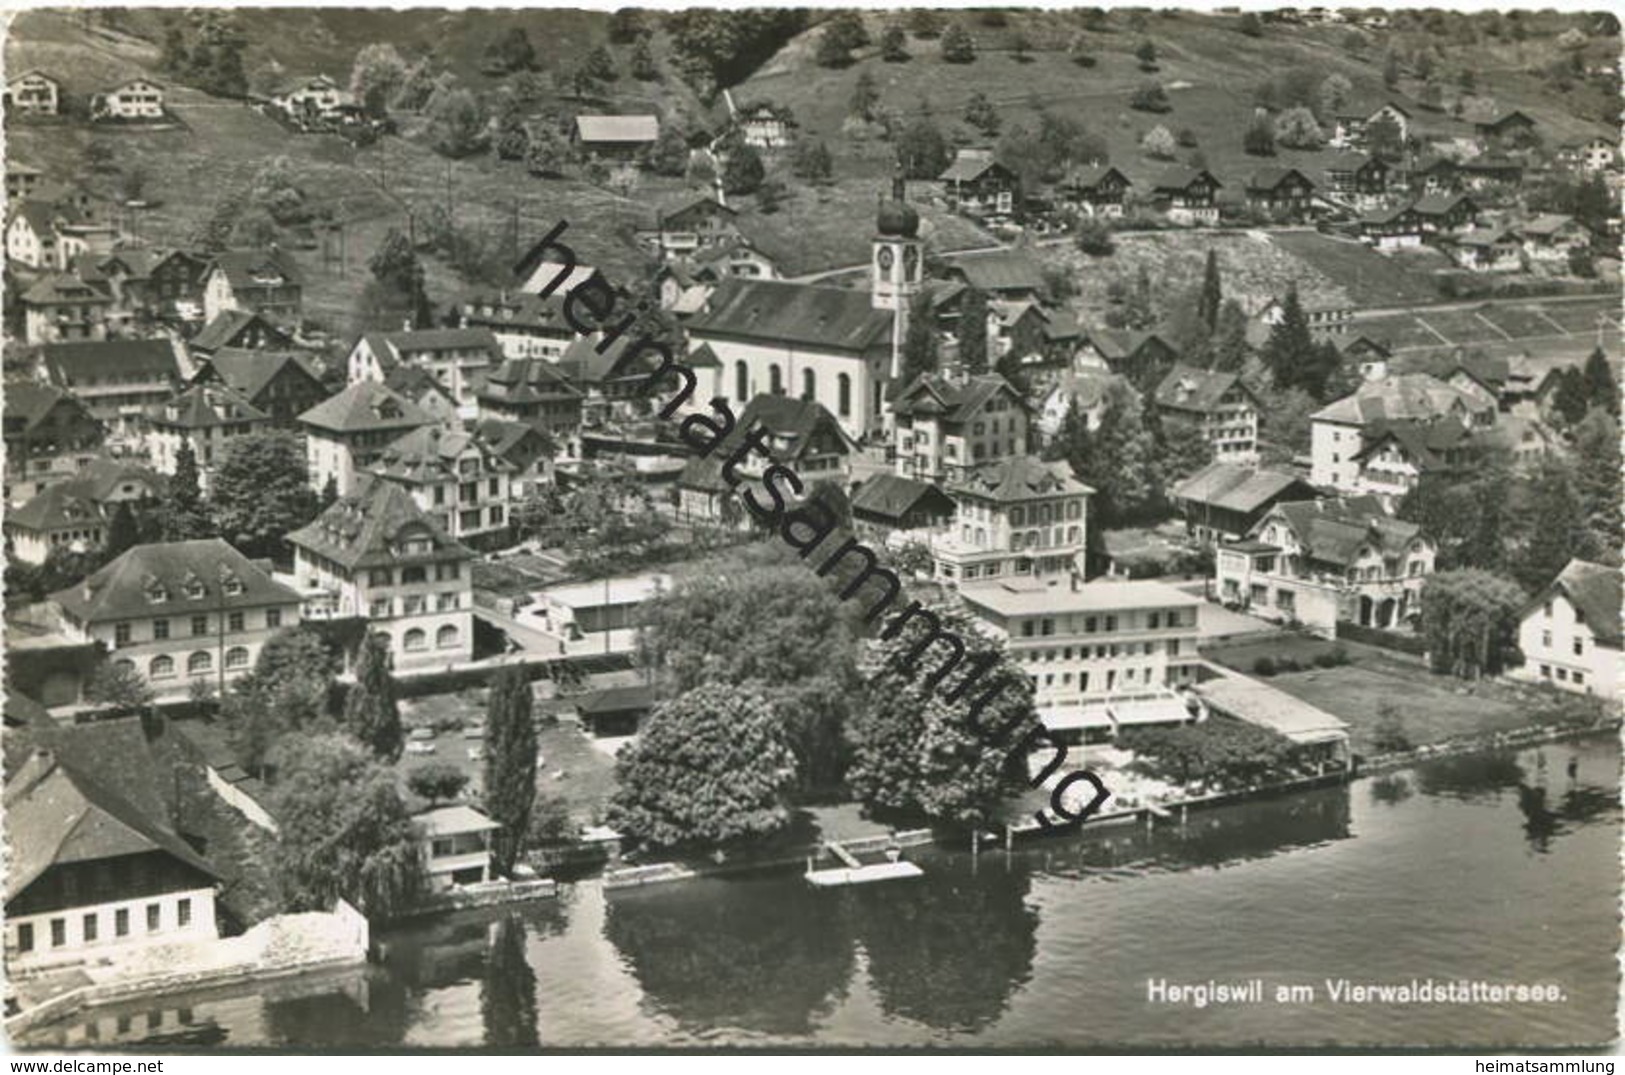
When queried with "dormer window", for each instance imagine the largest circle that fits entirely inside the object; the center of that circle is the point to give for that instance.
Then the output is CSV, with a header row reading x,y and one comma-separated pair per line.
x,y
192,586
230,583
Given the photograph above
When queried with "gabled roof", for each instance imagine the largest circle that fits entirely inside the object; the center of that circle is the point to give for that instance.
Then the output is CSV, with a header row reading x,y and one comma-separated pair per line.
x,y
33,72
1241,489
1088,177
430,454
971,164
617,128
1594,591
1118,344
1182,178
1271,178
1546,224
245,268
704,206
369,530
365,405
526,380
893,496
797,421
950,400
1002,270
1503,119
40,215
519,443
1425,444
1397,397
28,403
1336,531
417,384
155,580
453,820
227,325
68,364
100,478
204,406
1487,237
584,364
515,310
1439,204
60,287
55,507
250,371
391,347
1187,388
1020,478
780,313
1087,388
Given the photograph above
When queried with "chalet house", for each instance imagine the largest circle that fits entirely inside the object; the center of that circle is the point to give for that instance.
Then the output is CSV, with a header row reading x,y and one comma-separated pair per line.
x,y
1338,431
245,330
977,185
60,307
137,99
1396,455
422,387
1569,634
1004,274
33,93
532,391
611,377
180,613
525,447
945,427
1509,128
801,434
1224,501
764,126
1355,178
31,235
207,417
1014,517
1369,355
1488,250
616,712
1592,155
22,180
525,326
1218,404
1325,319
314,99
377,554
174,286
49,435
737,256
1441,213
1283,191
1349,128
615,137
1130,353
75,513
1551,238
457,357
118,380
1188,195
261,281
888,503
281,384
147,283
96,867
454,477
1491,175
1083,390
346,433
1442,175
1097,191
1317,562
1395,228
702,223
1480,377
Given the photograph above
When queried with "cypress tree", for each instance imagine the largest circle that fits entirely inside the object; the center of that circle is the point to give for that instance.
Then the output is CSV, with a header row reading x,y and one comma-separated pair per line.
x,y
183,517
1211,297
1290,344
920,342
1601,387
510,764
973,332
371,711
121,530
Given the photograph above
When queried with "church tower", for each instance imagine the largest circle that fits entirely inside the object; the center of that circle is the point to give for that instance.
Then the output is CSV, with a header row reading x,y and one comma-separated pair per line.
x,y
897,266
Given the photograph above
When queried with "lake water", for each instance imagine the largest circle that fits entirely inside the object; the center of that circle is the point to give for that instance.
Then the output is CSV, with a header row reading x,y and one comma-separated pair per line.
x,y
1499,867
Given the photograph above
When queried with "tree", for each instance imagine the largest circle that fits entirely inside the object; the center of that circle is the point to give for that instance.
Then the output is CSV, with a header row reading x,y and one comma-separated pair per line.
x,y
1286,419
1551,525
343,831
1020,47
548,152
1228,348
1250,25
973,331
922,152
643,65
1465,509
1569,400
742,168
1296,129
710,768
865,97
1071,441
1159,143
811,162
1119,459
1289,345
980,114
371,712
1185,450
957,46
457,122
399,275
832,50
1259,141
916,753
1389,736
626,26
1211,295
1597,466
436,781
599,65
122,531
894,44
511,51
510,763
287,691
215,234
1150,97
1218,751
1146,53
1470,621
847,28
181,512
669,153
119,688
1601,387
1334,94
1081,52
261,492
1391,69
1384,139
925,23
1093,237
919,341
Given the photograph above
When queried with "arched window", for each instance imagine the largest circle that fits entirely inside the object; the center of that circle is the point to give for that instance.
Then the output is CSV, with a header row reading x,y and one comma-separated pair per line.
x,y
415,639
741,383
809,384
446,637
1017,516
162,667
1074,510
124,664
775,379
237,657
844,384
1043,513
201,661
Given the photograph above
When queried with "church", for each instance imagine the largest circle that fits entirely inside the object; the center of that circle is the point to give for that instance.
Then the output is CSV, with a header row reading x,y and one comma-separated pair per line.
x,y
835,346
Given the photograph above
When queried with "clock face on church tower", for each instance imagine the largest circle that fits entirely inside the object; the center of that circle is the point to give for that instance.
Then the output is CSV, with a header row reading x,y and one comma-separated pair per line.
x,y
883,258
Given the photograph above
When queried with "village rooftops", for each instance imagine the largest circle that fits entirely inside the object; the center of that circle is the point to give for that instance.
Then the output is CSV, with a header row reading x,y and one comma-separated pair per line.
x,y
1180,179
526,380
89,361
174,577
1019,479
1545,224
893,496
225,327
819,318
1031,597
1337,531
1001,270
380,526
1401,396
365,406
250,269
56,507
205,406
1235,488
59,288
1187,388
28,403
1594,591
249,371
933,395
430,454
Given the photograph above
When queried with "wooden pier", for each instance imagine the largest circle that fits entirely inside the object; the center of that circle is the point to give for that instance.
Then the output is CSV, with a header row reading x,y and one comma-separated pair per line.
x,y
854,872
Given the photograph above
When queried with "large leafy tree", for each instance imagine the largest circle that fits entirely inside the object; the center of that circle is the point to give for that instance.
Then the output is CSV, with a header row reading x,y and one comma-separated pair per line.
x,y
398,276
1597,479
957,46
1551,525
1122,463
437,781
914,752
1184,448
922,151
287,691
1465,510
262,492
1220,751
372,712
1470,620
122,531
710,767
510,763
456,122
376,76
742,167
343,831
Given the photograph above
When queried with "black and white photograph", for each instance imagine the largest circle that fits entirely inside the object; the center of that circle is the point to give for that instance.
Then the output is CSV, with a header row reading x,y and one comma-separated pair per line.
x,y
775,529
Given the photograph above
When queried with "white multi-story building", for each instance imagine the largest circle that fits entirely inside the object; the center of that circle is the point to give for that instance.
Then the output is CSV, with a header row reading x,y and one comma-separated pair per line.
x,y
455,478
1338,431
456,357
1570,632
947,426
208,417
347,432
1218,404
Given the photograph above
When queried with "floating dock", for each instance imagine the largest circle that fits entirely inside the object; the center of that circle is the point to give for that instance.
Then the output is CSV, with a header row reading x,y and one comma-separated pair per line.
x,y
859,875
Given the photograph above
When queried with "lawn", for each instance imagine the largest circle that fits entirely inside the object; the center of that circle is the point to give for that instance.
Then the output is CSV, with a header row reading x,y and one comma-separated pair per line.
x,y
1367,277
1582,316
1459,326
1287,645
1400,331
1518,321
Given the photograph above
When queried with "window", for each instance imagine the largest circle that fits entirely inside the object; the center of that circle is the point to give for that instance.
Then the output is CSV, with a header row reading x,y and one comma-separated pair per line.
x,y
234,621
742,383
201,661
415,639
446,637
1089,624
494,514
273,617
414,574
379,576
59,932
25,937
161,667
121,922
1111,623
237,657
414,605
183,913
1546,639
160,630
121,634
89,925
445,602
493,487
1046,627
1026,628
775,379
809,385
1156,621
379,607
200,625
1579,679
1562,675
1546,671
153,917
445,571
1579,647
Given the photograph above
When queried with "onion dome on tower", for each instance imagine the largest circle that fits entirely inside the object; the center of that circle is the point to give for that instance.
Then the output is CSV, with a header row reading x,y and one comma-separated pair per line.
x,y
896,217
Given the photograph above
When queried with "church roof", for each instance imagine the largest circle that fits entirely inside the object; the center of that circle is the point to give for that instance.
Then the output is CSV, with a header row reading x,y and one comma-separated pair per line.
x,y
777,312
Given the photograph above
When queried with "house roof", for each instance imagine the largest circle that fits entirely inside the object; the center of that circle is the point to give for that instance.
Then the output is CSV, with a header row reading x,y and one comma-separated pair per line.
x,y
969,165
1439,204
28,403
781,314
1020,478
150,580
1181,178
41,215
1503,119
245,269
100,478
368,529
700,207
504,437
55,507
1270,178
416,384
250,371
1187,388
1087,388
617,699
526,380
950,400
1416,396
1021,597
1238,488
60,287
1545,224
999,271
365,405
515,310
430,454
797,421
204,406
1350,162
894,496
1119,344
390,347
1335,531
227,325
68,364
453,820
1594,590
33,72
1425,443
617,128
1256,702
1486,237
1087,177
